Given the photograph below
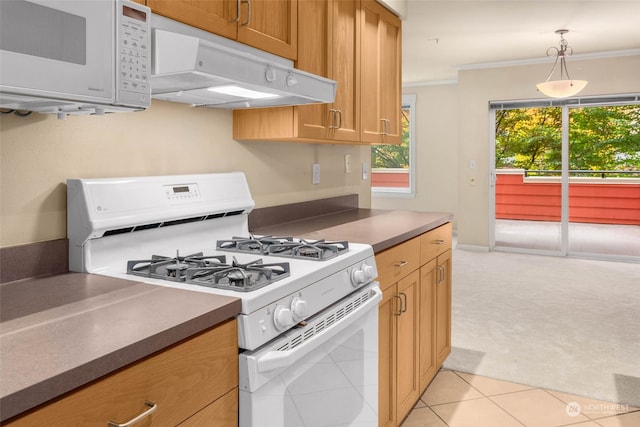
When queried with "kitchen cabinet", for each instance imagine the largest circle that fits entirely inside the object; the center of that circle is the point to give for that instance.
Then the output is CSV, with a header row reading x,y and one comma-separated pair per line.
x,y
328,40
414,319
380,75
435,258
331,42
269,25
191,383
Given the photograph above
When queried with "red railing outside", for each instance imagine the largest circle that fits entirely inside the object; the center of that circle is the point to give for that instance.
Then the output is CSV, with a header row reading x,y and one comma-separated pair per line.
x,y
591,200
396,178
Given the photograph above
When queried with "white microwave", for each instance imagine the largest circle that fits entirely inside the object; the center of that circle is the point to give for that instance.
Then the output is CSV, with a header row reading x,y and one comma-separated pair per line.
x,y
74,57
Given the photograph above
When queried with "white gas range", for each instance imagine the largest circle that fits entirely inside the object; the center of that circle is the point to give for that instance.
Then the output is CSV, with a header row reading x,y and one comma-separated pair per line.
x,y
301,300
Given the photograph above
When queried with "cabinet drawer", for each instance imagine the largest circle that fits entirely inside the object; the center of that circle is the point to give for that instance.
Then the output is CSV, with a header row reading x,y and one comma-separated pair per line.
x,y
397,262
181,381
221,413
435,242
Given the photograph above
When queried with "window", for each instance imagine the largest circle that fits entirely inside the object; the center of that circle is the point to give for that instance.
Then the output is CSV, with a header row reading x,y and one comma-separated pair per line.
x,y
392,166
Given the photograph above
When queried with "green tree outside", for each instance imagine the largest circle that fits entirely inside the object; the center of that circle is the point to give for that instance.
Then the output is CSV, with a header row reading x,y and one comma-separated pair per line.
x,y
600,138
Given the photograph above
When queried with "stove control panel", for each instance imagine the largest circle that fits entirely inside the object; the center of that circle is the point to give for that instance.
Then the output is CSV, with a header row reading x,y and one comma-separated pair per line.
x,y
181,193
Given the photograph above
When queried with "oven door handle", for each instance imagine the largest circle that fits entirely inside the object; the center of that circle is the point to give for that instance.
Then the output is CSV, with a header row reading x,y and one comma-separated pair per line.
x,y
272,360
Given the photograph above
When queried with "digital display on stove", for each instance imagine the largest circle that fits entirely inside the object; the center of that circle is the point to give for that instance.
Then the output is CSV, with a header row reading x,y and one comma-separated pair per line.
x,y
182,189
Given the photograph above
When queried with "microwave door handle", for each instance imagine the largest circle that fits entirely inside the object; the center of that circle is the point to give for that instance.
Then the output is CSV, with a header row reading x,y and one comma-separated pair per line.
x,y
273,360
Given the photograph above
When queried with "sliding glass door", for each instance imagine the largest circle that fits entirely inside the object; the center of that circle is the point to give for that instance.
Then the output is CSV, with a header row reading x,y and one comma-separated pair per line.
x,y
566,178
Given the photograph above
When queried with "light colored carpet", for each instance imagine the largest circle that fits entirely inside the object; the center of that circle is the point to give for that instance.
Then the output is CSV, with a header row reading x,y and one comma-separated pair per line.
x,y
565,324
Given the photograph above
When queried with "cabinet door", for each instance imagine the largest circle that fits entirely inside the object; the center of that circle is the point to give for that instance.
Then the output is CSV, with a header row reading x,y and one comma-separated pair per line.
x,y
313,120
408,339
388,310
339,121
380,75
270,25
443,308
428,367
215,16
344,67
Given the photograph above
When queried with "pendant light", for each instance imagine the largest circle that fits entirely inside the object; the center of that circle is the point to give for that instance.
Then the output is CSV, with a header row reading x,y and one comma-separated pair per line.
x,y
562,88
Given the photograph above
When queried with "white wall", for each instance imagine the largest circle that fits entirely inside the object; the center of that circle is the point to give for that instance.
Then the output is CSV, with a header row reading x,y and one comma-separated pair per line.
x,y
38,153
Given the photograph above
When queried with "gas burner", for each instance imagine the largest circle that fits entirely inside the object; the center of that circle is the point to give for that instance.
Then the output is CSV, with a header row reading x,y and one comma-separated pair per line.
x,y
252,244
174,269
319,250
239,277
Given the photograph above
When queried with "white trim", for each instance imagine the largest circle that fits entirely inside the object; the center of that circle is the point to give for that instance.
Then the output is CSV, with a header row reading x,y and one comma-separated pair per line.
x,y
547,59
430,83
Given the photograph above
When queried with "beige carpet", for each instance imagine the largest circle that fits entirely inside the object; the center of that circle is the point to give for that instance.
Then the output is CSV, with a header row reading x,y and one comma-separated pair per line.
x,y
571,325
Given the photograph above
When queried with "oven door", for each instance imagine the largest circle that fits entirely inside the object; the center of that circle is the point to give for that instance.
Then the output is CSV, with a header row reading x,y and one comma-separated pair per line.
x,y
322,373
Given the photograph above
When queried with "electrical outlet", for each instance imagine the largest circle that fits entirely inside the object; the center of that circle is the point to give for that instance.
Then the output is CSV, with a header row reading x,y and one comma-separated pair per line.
x,y
365,171
347,163
315,170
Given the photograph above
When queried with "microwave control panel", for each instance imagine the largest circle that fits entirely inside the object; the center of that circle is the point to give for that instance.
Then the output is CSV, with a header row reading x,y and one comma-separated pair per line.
x,y
133,22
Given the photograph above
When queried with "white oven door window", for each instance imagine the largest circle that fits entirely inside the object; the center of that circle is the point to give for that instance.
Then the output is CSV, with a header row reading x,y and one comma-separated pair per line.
x,y
333,382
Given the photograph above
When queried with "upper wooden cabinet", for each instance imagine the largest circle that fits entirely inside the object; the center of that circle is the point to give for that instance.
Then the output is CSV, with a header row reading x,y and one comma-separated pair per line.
x,y
270,25
380,75
331,43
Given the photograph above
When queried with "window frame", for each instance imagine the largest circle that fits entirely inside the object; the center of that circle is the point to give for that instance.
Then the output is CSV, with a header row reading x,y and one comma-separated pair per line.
x,y
408,101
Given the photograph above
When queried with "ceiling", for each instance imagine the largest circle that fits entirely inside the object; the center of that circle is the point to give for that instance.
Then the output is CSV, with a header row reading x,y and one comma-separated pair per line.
x,y
442,36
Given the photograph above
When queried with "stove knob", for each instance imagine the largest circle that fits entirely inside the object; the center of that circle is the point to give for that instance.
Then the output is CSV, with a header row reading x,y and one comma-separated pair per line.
x,y
282,318
368,272
299,309
362,275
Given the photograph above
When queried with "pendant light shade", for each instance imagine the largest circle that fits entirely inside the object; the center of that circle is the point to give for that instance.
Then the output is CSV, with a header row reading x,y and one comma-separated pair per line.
x,y
564,87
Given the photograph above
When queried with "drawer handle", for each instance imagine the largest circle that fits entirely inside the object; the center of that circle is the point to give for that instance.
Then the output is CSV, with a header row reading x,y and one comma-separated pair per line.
x,y
152,407
439,242
400,310
401,264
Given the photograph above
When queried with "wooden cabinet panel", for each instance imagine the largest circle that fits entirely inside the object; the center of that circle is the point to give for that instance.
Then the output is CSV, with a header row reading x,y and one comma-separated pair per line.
x,y
428,365
214,16
443,308
398,261
221,413
270,25
435,242
388,310
380,75
407,381
181,381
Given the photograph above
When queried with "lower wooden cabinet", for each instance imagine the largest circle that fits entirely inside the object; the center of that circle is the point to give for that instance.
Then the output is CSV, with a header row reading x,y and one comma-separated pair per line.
x,y
193,381
414,320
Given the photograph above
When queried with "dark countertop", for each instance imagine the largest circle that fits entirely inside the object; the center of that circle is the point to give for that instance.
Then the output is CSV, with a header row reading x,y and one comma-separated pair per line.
x,y
381,229
60,332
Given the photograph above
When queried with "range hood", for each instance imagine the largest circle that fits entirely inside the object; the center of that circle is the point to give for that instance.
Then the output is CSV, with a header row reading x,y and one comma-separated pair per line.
x,y
195,67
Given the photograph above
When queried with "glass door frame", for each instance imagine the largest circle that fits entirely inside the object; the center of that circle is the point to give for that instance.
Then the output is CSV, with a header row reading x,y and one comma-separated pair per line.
x,y
566,105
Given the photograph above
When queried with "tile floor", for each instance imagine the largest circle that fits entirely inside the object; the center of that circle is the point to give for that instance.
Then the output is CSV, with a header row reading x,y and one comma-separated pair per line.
x,y
458,399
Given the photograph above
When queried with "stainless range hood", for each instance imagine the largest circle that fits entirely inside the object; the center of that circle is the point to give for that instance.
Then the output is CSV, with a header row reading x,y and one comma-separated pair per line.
x,y
195,67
